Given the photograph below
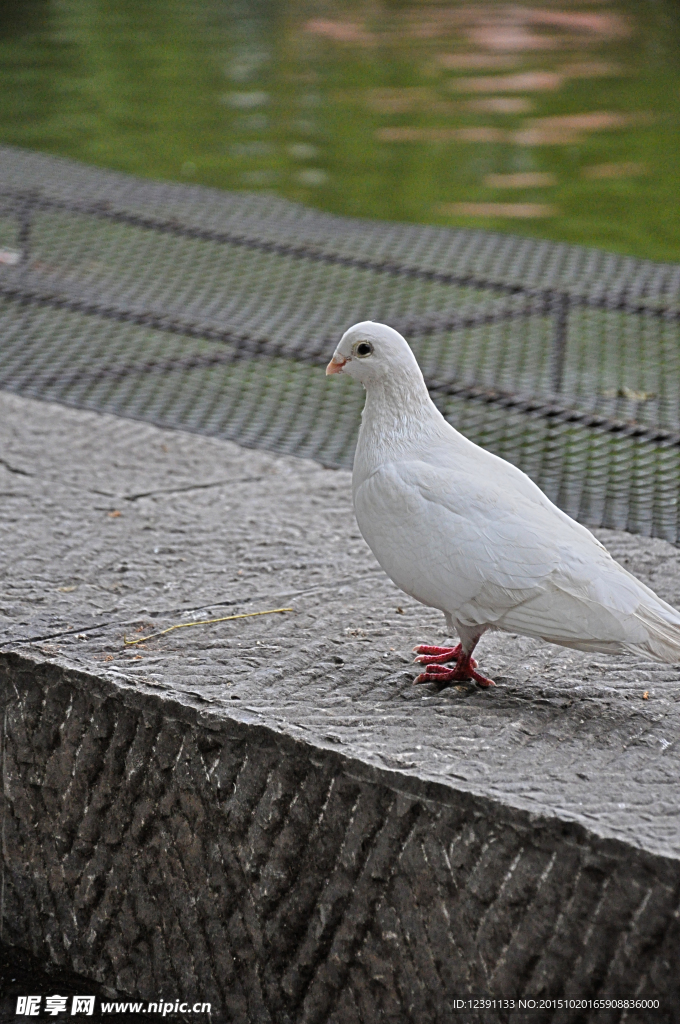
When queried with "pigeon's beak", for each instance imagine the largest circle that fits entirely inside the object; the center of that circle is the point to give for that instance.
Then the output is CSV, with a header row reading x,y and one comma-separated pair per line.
x,y
336,364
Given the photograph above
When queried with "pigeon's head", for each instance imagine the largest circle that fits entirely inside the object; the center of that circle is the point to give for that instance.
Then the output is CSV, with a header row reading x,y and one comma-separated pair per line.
x,y
371,352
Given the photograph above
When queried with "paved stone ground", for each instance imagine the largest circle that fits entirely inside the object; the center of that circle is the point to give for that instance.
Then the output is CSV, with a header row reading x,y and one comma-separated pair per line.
x,y
523,839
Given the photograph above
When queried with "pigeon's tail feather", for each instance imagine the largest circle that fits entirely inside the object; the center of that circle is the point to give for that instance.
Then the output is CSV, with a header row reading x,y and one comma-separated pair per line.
x,y
663,636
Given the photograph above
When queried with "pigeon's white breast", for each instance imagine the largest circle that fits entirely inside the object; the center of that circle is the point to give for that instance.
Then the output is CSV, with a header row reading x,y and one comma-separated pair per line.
x,y
422,547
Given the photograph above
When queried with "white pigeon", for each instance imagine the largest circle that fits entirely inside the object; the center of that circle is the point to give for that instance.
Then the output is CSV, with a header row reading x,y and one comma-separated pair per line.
x,y
464,531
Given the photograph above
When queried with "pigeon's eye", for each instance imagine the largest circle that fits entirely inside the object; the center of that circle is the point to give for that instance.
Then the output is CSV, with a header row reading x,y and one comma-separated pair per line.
x,y
364,348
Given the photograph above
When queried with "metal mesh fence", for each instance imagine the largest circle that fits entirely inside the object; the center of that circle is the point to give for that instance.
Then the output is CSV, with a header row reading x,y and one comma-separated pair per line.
x,y
214,312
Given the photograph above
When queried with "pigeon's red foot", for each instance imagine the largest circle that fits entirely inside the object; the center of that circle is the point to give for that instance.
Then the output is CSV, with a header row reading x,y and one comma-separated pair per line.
x,y
464,670
429,655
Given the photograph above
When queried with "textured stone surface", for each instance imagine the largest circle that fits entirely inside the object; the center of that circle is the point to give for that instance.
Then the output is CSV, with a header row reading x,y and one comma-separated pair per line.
x,y
265,812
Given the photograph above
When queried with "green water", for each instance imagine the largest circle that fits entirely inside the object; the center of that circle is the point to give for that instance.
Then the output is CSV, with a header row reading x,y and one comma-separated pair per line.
x,y
399,111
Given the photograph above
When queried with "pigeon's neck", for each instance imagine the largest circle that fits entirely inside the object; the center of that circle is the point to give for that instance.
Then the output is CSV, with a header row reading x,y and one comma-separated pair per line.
x,y
398,416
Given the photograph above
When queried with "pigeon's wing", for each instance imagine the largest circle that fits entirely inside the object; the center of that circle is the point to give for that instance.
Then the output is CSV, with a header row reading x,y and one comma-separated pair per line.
x,y
501,555
449,539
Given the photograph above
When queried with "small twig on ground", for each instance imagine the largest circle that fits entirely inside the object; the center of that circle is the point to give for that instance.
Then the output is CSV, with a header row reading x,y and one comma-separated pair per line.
x,y
203,622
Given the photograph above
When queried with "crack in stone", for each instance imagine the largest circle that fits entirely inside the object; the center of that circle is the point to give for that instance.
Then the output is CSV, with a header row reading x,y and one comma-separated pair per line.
x,y
15,469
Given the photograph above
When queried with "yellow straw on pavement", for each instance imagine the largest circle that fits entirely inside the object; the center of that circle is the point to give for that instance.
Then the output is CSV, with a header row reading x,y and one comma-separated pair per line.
x,y
203,622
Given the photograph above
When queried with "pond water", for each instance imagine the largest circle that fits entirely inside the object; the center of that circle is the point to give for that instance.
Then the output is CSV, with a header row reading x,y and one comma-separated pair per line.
x,y
552,119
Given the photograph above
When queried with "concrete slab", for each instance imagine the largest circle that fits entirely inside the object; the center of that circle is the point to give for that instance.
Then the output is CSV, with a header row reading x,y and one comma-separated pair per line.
x,y
265,813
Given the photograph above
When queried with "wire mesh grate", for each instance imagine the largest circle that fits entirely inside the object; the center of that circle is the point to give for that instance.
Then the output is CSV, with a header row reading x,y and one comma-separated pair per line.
x,y
214,312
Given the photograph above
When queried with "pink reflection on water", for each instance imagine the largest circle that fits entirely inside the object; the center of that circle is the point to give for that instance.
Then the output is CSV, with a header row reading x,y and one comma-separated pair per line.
x,y
513,38
512,28
501,105
627,169
607,25
521,179
488,43
407,134
594,121
524,211
528,81
341,31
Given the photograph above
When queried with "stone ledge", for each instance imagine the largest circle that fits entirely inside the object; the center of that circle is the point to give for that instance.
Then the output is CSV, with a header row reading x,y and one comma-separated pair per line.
x,y
161,848
265,813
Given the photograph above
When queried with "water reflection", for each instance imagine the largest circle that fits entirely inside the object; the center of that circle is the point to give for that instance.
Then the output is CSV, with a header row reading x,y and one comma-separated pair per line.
x,y
562,119
17,17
